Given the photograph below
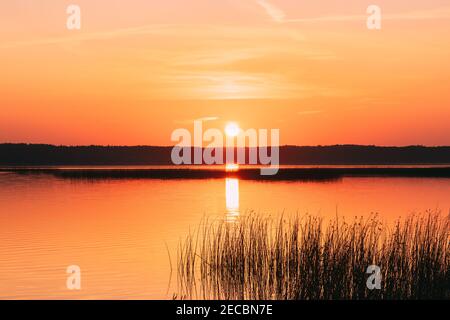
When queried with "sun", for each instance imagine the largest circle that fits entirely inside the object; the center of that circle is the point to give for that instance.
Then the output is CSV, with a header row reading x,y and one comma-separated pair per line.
x,y
232,129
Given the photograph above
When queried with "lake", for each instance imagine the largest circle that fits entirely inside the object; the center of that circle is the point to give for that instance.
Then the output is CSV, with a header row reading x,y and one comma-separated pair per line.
x,y
124,233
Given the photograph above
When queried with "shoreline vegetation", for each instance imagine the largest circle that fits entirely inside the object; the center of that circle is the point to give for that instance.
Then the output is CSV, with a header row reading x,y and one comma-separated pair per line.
x,y
308,258
284,174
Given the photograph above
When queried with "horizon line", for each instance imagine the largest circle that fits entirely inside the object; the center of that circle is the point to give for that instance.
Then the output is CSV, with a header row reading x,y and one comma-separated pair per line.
x,y
171,146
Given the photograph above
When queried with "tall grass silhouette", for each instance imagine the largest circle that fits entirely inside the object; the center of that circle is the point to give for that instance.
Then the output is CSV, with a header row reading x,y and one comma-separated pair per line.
x,y
310,258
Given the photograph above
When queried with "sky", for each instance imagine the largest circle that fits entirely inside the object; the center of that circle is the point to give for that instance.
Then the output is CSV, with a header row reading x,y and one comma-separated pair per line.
x,y
139,69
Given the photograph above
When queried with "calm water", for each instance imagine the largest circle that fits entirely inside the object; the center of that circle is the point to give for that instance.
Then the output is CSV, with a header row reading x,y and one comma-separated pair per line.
x,y
118,231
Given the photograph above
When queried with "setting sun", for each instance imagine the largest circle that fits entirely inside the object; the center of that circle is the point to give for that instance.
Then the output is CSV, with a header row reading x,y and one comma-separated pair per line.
x,y
232,129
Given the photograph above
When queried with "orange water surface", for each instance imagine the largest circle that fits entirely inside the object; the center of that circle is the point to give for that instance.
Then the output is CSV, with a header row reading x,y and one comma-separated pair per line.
x,y
123,234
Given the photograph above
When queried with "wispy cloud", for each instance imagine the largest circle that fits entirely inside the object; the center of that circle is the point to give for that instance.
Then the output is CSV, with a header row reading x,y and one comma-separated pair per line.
x,y
223,32
273,11
279,16
227,62
102,35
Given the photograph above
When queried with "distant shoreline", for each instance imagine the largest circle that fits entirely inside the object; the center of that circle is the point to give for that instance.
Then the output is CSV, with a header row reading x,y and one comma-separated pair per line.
x,y
286,174
50,155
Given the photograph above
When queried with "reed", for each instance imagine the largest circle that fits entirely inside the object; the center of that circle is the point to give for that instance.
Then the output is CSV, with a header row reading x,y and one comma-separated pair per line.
x,y
310,258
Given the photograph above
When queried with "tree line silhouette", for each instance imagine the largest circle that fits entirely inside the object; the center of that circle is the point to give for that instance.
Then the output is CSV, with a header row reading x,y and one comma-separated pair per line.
x,y
44,154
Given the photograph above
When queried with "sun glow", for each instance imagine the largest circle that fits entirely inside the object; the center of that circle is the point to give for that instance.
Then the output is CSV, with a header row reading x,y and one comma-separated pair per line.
x,y
231,167
232,129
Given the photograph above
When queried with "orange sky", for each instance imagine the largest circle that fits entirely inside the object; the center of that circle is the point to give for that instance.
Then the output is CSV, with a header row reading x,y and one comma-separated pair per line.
x,y
139,69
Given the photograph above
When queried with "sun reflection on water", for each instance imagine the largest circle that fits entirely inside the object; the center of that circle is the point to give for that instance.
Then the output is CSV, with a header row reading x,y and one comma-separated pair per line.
x,y
232,199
